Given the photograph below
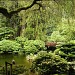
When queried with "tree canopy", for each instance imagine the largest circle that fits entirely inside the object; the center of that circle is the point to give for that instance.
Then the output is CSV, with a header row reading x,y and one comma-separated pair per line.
x,y
38,19
9,14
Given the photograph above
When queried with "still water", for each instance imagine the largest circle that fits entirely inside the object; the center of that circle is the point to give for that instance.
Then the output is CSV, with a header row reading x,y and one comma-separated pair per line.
x,y
19,60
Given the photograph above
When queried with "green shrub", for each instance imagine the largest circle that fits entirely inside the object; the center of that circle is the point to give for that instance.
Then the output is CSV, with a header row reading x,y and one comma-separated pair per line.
x,y
33,46
60,53
47,63
67,51
9,46
72,42
6,32
21,40
40,45
29,47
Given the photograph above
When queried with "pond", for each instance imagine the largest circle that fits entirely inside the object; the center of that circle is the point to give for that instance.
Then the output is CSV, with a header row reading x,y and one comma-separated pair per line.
x,y
19,60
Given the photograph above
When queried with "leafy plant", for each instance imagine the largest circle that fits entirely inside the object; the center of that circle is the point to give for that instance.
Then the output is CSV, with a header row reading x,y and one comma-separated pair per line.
x,y
47,63
9,46
21,40
57,37
33,46
6,33
40,45
67,51
29,47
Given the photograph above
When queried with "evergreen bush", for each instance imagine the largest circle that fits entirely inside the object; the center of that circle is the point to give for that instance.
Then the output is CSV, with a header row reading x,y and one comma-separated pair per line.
x,y
49,63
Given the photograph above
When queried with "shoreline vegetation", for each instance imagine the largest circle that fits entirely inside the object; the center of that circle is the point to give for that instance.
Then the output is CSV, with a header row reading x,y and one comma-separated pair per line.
x,y
38,36
45,58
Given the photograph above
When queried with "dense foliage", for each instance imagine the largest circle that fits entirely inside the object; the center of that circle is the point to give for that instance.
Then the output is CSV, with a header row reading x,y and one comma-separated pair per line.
x,y
8,46
28,31
34,46
49,63
21,44
67,50
54,21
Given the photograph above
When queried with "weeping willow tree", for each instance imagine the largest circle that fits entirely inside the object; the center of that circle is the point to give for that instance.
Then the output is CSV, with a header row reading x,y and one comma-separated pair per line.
x,y
39,23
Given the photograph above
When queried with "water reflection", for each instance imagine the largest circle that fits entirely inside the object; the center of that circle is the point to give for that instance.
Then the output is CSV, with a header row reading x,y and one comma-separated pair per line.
x,y
19,59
